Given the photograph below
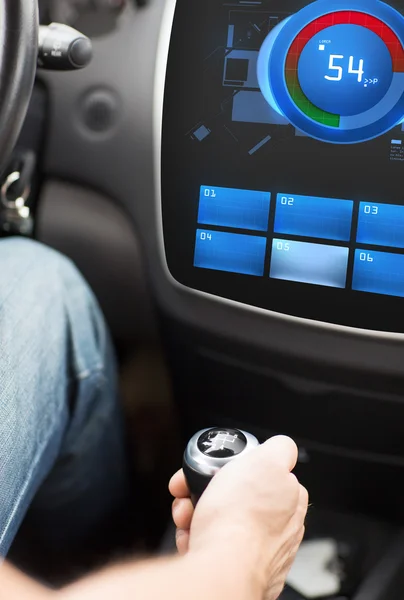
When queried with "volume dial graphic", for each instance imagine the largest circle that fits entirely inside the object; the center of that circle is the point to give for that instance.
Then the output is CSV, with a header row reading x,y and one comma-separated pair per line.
x,y
335,70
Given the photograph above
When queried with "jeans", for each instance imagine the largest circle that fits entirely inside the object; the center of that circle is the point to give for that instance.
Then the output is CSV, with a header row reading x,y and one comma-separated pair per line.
x,y
61,438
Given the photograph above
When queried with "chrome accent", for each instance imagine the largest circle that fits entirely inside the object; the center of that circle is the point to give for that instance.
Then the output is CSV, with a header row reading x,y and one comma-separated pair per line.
x,y
209,465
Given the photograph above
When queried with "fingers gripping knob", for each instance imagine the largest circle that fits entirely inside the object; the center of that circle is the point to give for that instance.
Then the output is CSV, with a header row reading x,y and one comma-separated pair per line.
x,y
208,451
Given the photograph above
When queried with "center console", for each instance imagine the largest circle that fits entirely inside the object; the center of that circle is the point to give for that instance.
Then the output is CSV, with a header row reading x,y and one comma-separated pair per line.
x,y
280,168
283,157
258,152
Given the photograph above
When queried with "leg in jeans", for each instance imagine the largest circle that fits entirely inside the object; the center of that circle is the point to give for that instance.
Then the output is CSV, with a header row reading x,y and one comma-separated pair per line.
x,y
61,442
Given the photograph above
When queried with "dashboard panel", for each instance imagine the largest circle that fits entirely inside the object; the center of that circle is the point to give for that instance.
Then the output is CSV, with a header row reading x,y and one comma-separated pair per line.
x,y
282,163
126,165
336,389
92,17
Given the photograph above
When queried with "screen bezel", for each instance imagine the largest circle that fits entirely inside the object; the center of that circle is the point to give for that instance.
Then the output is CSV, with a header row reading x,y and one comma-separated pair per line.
x,y
180,198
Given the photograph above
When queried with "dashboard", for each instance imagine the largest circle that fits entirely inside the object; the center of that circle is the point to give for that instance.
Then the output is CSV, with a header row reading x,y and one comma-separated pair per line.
x,y
282,165
268,216
305,271
92,17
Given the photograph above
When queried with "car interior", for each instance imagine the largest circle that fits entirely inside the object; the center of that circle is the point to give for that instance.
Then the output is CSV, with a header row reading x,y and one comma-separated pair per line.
x,y
226,174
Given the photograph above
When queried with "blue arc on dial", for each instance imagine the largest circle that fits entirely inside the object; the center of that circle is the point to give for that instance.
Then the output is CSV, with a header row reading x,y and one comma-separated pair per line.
x,y
336,70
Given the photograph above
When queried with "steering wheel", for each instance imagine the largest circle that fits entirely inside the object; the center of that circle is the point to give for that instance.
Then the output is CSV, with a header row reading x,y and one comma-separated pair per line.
x,y
18,59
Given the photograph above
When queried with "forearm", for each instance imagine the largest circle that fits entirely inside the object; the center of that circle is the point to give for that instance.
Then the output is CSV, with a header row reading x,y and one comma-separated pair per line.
x,y
213,575
198,577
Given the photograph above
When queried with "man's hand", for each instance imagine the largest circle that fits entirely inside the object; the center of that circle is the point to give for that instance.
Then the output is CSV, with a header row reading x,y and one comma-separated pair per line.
x,y
239,542
253,509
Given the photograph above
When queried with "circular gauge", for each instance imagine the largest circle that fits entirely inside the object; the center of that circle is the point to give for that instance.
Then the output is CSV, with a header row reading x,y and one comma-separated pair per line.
x,y
337,75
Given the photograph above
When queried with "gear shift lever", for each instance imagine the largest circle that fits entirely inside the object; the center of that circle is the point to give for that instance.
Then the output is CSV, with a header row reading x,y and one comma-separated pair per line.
x,y
208,451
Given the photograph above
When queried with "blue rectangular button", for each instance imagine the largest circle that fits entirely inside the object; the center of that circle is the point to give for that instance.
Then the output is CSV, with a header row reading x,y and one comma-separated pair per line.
x,y
230,252
381,224
379,273
309,263
309,216
241,209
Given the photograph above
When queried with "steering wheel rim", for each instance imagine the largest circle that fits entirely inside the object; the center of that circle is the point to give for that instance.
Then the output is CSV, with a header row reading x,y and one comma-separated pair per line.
x,y
18,58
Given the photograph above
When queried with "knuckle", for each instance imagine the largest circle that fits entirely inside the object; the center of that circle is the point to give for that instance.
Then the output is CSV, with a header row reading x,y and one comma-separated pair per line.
x,y
298,532
304,495
293,488
294,482
175,507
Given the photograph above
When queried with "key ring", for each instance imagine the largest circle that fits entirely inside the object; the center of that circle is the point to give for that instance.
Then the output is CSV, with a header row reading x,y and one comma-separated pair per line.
x,y
19,203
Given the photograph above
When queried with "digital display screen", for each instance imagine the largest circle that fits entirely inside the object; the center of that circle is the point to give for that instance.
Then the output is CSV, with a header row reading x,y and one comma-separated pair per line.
x,y
308,216
241,209
309,263
283,156
379,272
230,252
381,225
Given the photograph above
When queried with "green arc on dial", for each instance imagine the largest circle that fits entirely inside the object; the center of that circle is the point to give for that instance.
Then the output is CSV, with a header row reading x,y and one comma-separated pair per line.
x,y
305,105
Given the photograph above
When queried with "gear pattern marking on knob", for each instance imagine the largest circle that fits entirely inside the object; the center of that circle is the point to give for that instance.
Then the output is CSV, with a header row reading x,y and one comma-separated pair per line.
x,y
222,443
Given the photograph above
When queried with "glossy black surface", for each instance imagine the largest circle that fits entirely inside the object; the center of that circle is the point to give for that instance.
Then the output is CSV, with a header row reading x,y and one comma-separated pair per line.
x,y
361,172
222,443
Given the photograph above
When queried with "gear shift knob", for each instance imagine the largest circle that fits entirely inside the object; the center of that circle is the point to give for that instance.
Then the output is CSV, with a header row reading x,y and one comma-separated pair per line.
x,y
208,451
